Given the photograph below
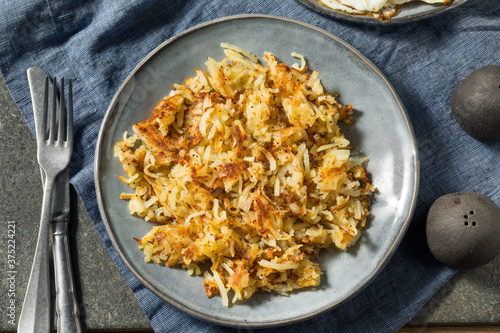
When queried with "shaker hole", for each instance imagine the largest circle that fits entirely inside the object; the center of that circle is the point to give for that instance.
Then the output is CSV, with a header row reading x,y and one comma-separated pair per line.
x,y
474,223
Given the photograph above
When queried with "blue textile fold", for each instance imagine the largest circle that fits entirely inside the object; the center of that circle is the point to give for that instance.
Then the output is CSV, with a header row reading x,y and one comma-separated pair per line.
x,y
99,42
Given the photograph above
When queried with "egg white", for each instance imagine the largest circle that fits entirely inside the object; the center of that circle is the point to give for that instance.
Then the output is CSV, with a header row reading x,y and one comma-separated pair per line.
x,y
370,6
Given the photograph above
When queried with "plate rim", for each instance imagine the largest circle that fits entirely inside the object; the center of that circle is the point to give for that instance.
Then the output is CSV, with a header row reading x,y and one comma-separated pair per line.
x,y
391,249
337,14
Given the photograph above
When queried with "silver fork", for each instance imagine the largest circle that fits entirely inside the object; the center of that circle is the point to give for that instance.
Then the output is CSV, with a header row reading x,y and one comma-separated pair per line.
x,y
55,146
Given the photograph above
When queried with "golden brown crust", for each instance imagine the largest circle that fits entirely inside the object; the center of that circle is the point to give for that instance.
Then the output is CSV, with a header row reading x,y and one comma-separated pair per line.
x,y
246,167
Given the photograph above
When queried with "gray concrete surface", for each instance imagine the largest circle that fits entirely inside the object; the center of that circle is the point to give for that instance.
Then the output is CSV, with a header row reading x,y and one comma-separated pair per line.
x,y
105,300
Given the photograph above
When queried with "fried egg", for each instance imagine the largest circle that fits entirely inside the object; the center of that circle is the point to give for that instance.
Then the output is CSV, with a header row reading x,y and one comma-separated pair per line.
x,y
380,9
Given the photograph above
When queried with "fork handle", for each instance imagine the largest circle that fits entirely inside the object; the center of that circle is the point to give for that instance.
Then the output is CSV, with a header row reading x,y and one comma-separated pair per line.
x,y
66,305
35,313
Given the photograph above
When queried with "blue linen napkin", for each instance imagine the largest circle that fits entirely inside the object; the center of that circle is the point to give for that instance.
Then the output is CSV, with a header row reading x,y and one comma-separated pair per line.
x,y
99,42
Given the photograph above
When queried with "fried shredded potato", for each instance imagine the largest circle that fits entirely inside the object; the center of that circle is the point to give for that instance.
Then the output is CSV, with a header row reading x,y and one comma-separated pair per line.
x,y
245,167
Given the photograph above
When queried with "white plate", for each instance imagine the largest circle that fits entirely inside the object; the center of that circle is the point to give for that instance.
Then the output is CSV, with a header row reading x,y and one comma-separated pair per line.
x,y
382,132
409,12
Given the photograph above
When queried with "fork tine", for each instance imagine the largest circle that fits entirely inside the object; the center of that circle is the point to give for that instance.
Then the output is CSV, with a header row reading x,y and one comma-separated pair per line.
x,y
62,112
69,133
52,129
42,135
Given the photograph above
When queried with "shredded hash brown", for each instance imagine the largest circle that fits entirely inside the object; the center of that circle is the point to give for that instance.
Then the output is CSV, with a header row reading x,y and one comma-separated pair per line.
x,y
245,167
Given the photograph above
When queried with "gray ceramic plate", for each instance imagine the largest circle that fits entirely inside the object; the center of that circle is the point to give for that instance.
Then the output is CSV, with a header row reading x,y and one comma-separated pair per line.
x,y
409,12
382,132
